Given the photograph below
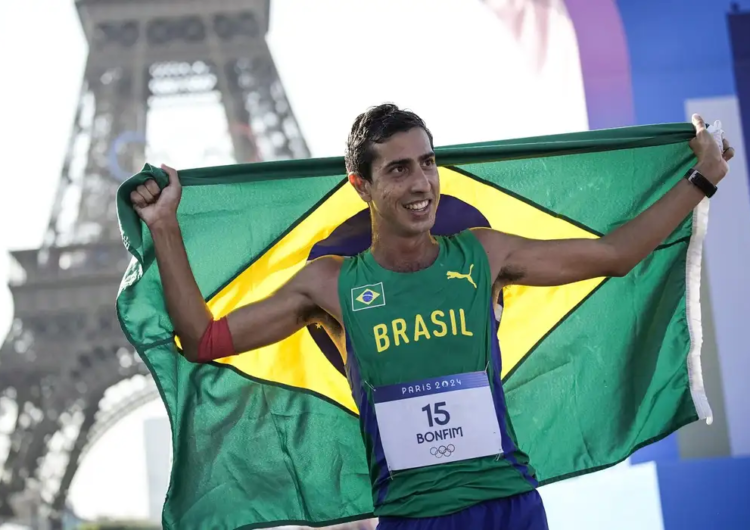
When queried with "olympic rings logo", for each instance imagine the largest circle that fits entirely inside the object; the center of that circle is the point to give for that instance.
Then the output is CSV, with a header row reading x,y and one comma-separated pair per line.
x,y
442,451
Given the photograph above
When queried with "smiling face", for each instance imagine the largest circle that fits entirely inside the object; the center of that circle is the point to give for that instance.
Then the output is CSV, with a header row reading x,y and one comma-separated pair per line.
x,y
404,188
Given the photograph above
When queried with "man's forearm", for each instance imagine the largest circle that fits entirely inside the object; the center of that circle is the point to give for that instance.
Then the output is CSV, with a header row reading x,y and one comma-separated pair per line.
x,y
636,239
185,305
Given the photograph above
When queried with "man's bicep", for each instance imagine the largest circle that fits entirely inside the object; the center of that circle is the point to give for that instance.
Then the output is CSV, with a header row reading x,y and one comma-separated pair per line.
x,y
274,318
542,263
547,263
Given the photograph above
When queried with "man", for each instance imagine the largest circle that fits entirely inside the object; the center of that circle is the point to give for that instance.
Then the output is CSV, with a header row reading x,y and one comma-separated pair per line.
x,y
436,334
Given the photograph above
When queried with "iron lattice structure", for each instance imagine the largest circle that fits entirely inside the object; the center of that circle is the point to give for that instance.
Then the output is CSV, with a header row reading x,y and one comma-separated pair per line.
x,y
65,353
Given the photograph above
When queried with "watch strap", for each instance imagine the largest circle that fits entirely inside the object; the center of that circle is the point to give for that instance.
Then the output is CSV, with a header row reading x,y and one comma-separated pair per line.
x,y
702,183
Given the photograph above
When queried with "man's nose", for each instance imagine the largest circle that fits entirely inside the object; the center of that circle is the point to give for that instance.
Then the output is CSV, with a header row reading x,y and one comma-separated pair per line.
x,y
420,182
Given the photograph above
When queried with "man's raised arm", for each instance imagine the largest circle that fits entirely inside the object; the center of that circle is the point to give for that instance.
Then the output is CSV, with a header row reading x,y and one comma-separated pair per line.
x,y
202,337
558,262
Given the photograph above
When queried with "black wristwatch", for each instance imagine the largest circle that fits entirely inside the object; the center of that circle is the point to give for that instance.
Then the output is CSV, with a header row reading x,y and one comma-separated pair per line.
x,y
699,181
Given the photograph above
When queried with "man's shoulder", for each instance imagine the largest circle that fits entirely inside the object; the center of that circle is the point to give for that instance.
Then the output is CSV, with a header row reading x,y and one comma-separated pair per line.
x,y
492,240
324,268
478,232
318,281
482,233
485,237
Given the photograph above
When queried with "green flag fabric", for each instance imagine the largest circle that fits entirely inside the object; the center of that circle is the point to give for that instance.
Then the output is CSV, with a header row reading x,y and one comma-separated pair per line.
x,y
592,371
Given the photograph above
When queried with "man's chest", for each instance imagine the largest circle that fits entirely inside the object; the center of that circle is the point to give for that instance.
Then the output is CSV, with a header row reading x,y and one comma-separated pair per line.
x,y
395,323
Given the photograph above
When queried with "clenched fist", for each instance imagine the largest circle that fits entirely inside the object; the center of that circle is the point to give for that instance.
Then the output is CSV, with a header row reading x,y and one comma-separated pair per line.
x,y
154,205
712,159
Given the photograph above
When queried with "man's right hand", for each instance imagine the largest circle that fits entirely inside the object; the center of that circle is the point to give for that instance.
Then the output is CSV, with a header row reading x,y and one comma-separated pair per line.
x,y
155,206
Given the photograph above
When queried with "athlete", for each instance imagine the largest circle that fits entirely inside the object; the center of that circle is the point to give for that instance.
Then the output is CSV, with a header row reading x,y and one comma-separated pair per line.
x,y
412,318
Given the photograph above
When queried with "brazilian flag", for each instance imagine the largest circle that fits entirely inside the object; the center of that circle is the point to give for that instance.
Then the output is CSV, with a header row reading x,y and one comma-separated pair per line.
x,y
592,371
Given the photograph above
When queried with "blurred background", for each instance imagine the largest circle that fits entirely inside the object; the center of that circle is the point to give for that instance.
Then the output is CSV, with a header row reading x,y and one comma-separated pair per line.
x,y
94,88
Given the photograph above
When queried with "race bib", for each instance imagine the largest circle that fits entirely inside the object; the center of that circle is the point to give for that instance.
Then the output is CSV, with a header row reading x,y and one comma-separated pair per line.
x,y
445,419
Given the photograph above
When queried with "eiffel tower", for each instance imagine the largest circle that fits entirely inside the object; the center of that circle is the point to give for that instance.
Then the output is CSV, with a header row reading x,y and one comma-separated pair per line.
x,y
65,349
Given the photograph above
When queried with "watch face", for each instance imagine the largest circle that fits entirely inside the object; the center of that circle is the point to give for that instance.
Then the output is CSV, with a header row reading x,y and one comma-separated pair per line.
x,y
118,172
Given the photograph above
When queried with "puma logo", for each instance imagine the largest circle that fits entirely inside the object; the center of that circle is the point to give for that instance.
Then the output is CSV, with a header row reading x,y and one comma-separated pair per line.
x,y
452,275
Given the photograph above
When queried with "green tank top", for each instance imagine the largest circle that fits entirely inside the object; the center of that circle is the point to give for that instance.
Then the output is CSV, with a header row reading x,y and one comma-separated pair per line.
x,y
406,332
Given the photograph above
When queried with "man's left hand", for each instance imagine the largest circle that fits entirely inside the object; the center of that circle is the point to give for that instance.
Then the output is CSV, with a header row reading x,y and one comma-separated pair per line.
x,y
712,160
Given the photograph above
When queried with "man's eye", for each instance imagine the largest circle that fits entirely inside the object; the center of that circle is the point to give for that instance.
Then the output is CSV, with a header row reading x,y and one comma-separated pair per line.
x,y
398,169
429,162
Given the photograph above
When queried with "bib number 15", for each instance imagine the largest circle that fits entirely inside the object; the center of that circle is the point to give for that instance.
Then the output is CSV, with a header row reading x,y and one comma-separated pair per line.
x,y
436,413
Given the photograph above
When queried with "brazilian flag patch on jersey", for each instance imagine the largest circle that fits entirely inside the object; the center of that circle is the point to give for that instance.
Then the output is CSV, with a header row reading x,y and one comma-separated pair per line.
x,y
367,297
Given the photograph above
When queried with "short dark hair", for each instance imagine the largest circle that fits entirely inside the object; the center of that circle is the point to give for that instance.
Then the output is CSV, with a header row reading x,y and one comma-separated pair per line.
x,y
374,126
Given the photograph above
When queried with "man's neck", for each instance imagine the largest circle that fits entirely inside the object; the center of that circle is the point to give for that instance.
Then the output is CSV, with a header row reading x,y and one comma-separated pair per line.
x,y
404,254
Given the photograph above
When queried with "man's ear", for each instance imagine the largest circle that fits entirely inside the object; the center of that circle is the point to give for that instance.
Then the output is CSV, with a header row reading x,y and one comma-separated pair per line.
x,y
361,185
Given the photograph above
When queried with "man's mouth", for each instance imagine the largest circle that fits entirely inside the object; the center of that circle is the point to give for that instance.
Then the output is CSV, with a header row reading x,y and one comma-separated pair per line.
x,y
418,206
